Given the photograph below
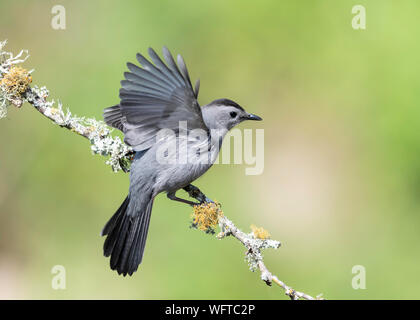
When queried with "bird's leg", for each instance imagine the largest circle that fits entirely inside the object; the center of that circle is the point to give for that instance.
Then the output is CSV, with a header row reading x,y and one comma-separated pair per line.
x,y
196,193
193,192
172,196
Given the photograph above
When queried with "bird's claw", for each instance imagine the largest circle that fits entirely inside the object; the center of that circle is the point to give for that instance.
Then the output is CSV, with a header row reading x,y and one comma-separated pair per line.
x,y
196,193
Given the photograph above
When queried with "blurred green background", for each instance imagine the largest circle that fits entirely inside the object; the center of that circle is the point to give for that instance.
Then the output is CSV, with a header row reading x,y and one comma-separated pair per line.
x,y
341,185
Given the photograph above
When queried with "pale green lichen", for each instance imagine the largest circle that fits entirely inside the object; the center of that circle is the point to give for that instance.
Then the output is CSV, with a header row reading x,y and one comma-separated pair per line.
x,y
104,144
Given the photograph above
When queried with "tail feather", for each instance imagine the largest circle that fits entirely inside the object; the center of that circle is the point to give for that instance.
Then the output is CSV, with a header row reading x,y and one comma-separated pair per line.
x,y
121,232
117,215
132,259
126,237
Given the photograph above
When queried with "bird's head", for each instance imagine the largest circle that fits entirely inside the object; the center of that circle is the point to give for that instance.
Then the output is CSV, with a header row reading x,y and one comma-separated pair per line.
x,y
224,114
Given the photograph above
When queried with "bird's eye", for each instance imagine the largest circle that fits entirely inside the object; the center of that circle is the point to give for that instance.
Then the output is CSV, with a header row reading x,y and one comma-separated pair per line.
x,y
233,114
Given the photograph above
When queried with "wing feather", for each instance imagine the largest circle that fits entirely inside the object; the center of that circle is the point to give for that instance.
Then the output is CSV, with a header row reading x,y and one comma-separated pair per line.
x,y
159,63
148,76
154,96
171,63
184,71
197,88
152,69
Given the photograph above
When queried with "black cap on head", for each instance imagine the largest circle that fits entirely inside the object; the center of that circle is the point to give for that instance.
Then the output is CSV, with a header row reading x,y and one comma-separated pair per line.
x,y
226,102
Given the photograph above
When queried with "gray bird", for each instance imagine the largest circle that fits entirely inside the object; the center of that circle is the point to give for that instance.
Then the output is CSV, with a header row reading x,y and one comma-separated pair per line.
x,y
155,99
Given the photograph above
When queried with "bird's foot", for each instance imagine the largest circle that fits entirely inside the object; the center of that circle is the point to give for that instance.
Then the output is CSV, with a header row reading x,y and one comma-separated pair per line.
x,y
196,193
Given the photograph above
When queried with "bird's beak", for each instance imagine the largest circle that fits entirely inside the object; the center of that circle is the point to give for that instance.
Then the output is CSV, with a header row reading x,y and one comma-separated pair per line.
x,y
251,116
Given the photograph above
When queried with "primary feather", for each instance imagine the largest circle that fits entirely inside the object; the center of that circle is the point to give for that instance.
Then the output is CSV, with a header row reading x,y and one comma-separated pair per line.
x,y
154,96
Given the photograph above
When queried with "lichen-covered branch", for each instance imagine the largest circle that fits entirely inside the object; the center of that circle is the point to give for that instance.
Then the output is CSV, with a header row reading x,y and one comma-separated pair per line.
x,y
209,214
98,133
15,89
254,245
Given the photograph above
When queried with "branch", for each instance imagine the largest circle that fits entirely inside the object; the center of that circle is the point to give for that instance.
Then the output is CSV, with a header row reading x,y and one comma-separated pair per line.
x,y
208,214
97,132
15,89
255,258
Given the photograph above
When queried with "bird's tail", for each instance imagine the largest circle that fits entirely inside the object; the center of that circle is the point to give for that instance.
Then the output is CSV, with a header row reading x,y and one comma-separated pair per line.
x,y
126,233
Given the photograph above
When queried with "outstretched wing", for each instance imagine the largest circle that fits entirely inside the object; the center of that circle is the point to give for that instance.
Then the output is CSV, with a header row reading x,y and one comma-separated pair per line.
x,y
153,97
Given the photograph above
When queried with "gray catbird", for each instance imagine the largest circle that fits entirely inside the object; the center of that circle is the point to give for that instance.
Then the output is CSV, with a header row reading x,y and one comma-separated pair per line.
x,y
155,100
